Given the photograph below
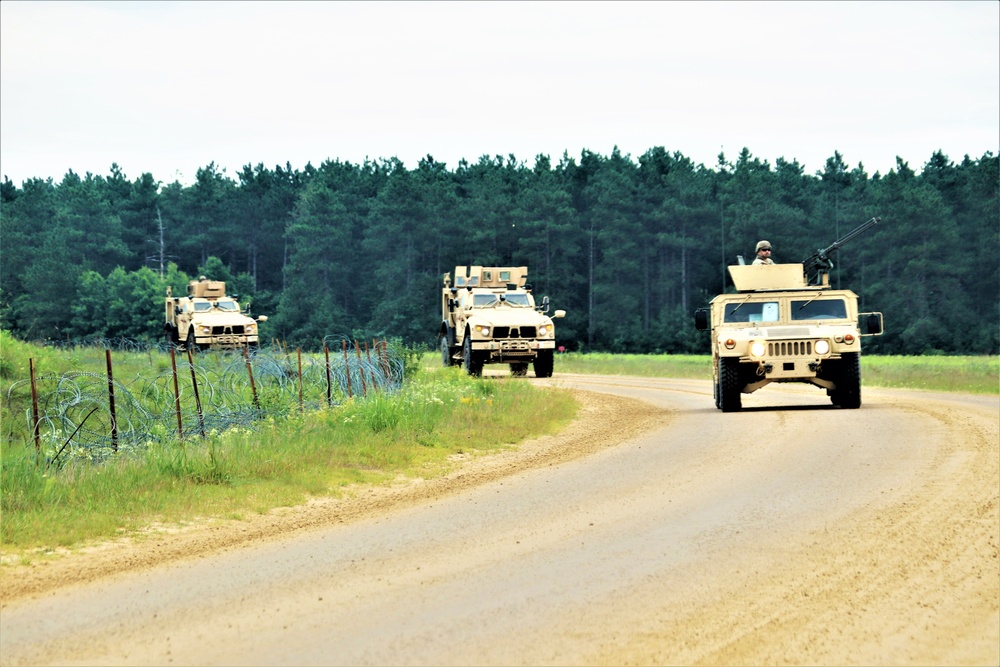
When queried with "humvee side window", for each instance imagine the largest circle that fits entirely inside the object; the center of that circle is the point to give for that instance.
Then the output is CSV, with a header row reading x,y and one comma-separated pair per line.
x,y
753,311
505,276
819,309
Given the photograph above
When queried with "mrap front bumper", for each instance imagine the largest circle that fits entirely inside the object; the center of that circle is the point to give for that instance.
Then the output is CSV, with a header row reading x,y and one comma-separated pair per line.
x,y
514,349
227,341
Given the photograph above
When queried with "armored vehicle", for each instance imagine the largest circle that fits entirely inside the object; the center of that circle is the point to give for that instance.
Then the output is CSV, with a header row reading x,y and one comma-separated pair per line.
x,y
206,318
785,324
489,316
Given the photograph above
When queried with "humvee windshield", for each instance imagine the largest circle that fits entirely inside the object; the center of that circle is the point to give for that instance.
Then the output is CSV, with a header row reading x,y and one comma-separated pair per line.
x,y
819,309
202,306
755,311
228,306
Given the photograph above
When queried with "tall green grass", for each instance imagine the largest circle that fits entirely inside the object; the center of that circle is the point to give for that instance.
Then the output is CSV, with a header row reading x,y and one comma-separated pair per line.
x,y
975,375
281,462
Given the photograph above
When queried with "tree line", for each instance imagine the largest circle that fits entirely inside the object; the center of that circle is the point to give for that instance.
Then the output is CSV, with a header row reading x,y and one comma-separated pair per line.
x,y
629,247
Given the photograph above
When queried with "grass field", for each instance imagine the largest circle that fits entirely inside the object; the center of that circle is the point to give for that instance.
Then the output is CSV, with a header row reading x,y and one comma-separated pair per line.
x,y
285,461
974,375
275,462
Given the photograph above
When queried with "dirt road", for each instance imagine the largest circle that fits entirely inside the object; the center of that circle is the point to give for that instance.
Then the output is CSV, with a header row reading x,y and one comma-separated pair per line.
x,y
656,530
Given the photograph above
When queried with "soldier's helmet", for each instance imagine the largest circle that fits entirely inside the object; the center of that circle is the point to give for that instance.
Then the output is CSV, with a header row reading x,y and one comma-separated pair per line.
x,y
763,245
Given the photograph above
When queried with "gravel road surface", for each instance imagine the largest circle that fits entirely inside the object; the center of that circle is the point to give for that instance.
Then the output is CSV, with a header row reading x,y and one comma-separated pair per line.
x,y
654,530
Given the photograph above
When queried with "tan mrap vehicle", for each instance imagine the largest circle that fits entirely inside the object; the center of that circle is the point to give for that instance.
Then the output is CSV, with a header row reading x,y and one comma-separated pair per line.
x,y
207,318
489,316
778,328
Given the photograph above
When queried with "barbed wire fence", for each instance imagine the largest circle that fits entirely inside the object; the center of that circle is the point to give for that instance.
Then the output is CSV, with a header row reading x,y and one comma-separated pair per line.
x,y
94,416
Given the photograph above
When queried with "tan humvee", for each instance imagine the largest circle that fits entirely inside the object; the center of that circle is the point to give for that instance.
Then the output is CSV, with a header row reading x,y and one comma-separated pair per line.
x,y
489,316
206,318
779,328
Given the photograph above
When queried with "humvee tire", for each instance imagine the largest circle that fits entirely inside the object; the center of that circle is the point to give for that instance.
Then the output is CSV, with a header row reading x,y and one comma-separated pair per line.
x,y
729,384
849,381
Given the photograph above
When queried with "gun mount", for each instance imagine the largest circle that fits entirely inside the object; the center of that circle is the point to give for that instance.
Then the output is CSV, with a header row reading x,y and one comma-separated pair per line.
x,y
818,265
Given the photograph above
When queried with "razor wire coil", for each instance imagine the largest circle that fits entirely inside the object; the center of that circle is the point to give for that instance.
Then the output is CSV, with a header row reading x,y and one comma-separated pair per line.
x,y
75,419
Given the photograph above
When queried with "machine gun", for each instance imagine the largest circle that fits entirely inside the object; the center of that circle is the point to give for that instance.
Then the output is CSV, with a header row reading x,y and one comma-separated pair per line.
x,y
820,262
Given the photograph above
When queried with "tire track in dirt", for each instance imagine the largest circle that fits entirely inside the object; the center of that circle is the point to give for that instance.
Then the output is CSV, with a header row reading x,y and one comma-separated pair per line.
x,y
916,583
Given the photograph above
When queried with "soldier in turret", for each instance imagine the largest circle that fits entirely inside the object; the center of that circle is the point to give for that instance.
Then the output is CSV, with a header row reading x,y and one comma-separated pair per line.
x,y
763,253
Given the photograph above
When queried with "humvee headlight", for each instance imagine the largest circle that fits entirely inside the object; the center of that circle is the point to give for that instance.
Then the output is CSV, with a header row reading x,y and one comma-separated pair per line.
x,y
205,329
544,330
483,330
822,347
758,348
252,328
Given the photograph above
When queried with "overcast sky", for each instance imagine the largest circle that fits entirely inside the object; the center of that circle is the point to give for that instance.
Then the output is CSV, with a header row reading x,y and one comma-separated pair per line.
x,y
168,88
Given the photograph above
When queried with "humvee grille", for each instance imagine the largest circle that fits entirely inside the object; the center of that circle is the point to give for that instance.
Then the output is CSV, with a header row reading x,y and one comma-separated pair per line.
x,y
223,330
790,348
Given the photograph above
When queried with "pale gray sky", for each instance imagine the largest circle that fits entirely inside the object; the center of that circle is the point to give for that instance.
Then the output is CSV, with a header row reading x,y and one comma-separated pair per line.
x,y
169,87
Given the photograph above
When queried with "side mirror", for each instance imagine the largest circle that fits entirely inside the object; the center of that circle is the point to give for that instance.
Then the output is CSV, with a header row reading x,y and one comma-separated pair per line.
x,y
701,319
262,318
178,310
870,324
559,313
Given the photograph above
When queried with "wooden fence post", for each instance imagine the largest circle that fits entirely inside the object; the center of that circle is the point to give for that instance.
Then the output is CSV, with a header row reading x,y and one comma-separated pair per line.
x,y
301,406
329,384
111,401
177,394
34,408
197,398
347,368
361,371
253,387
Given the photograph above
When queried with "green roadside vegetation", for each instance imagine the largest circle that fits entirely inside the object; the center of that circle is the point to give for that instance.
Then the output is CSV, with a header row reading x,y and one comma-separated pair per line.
x,y
971,374
412,432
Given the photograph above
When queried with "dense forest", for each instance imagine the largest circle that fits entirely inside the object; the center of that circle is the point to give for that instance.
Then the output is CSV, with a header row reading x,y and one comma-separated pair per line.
x,y
628,247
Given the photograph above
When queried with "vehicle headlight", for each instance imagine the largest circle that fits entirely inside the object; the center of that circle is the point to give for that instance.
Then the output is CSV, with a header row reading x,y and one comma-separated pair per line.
x,y
544,330
252,327
483,330
758,348
822,347
205,329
